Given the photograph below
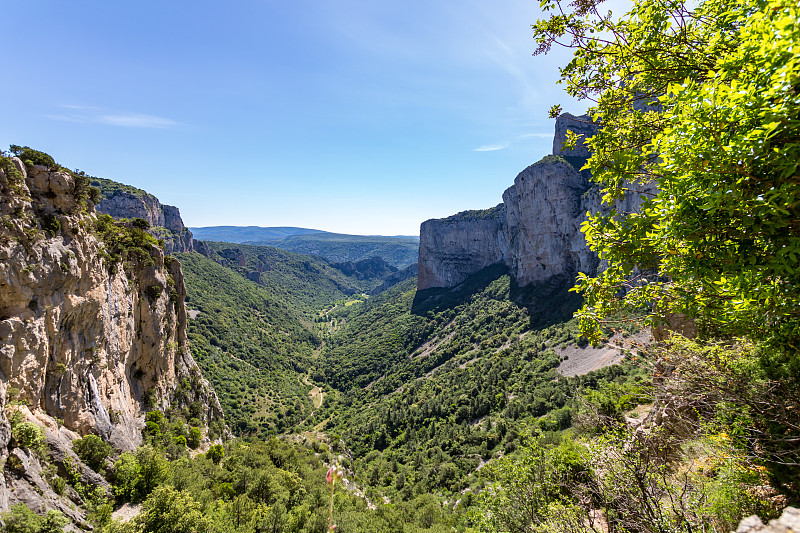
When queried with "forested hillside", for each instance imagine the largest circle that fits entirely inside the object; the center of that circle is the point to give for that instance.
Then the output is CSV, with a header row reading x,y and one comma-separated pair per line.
x,y
338,248
420,388
433,385
661,395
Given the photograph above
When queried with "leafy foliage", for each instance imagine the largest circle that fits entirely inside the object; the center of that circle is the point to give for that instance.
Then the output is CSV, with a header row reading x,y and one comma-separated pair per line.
x,y
110,188
92,450
707,118
20,519
125,242
31,157
478,214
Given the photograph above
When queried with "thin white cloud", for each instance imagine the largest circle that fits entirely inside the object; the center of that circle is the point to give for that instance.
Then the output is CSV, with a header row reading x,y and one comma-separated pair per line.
x,y
136,120
537,135
506,144
124,120
491,147
79,107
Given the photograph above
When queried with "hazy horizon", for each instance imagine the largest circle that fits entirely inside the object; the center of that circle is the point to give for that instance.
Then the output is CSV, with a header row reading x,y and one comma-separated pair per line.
x,y
360,118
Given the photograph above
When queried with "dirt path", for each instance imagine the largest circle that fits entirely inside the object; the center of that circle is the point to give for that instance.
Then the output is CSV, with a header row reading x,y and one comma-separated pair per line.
x,y
316,395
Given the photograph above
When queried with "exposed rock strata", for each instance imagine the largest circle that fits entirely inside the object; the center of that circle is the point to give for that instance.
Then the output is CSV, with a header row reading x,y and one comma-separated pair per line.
x,y
85,344
583,126
453,248
535,232
165,220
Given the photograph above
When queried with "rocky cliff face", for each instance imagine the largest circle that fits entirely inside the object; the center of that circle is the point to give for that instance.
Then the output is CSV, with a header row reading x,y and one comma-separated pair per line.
x,y
87,342
535,231
165,221
450,249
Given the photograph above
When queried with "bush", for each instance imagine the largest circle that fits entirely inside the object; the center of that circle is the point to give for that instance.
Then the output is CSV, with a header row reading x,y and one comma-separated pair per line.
x,y
33,157
20,519
170,510
92,450
154,291
141,223
127,475
28,435
195,435
216,453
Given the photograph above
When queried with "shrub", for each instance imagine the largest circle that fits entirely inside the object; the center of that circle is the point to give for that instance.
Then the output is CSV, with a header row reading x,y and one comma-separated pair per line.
x,y
154,291
151,428
92,450
127,475
20,519
170,510
28,435
216,453
52,225
141,223
33,157
195,435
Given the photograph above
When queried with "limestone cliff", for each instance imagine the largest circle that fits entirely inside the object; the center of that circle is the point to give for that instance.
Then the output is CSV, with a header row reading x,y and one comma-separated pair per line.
x,y
92,320
535,232
450,249
123,201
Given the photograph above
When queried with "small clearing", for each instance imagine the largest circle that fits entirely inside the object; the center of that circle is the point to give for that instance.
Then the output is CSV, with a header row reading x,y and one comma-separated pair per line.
x,y
126,512
581,361
316,395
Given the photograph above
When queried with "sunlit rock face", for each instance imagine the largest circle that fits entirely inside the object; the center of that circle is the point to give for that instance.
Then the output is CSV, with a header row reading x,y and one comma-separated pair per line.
x,y
88,345
165,220
535,232
544,212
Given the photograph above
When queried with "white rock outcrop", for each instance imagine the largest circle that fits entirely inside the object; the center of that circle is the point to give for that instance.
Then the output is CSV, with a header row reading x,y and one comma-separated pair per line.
x,y
165,220
85,345
535,232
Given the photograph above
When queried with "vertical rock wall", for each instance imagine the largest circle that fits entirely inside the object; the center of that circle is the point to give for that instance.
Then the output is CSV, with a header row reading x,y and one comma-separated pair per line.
x,y
535,231
83,341
453,248
165,220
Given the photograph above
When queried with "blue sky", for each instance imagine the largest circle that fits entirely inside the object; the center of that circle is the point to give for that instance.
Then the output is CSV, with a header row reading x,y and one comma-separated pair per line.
x,y
364,117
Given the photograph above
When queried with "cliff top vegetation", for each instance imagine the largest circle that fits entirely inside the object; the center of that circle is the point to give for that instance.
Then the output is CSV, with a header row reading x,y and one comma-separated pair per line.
x,y
476,214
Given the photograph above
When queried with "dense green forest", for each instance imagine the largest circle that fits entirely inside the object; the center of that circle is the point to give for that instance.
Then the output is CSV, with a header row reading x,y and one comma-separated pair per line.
x,y
414,390
258,320
434,385
399,252
445,410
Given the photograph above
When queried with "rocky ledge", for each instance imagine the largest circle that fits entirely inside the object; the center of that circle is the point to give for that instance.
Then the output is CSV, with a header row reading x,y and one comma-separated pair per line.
x,y
122,201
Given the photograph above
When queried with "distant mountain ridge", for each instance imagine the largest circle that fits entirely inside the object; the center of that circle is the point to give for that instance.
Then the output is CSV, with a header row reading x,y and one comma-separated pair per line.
x,y
242,234
398,251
